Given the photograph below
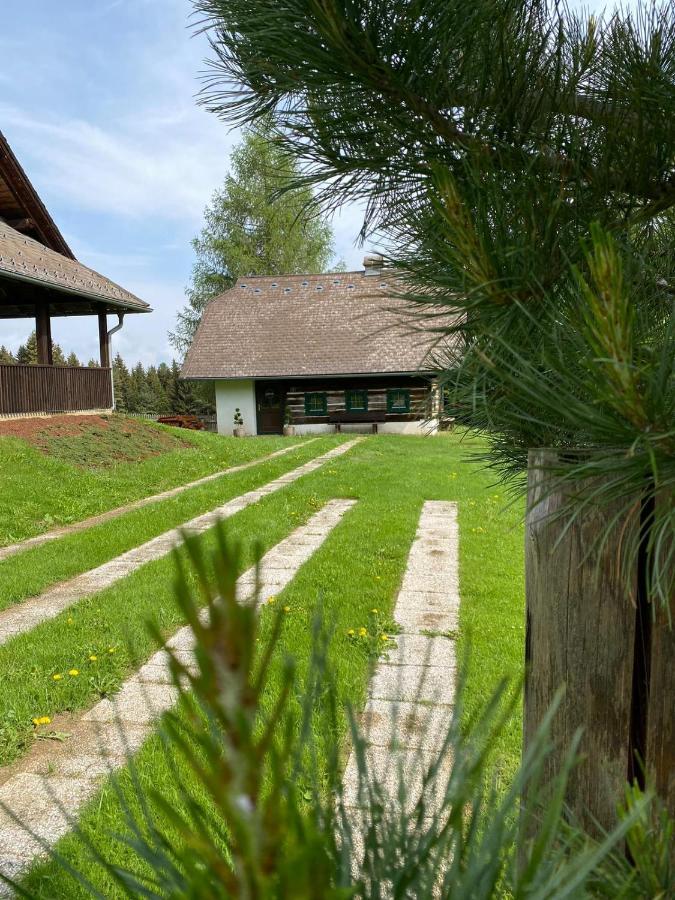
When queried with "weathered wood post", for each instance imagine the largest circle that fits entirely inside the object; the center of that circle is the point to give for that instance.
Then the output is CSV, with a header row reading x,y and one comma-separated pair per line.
x,y
614,651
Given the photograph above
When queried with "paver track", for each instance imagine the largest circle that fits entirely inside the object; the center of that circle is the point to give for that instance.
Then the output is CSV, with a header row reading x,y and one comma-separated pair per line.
x,y
410,696
47,792
31,612
37,540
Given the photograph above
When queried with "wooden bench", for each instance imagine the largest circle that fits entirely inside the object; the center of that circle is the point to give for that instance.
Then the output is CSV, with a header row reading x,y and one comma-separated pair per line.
x,y
343,417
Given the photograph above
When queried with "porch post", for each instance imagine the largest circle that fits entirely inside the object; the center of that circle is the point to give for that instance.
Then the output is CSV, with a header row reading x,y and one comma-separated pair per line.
x,y
43,335
103,340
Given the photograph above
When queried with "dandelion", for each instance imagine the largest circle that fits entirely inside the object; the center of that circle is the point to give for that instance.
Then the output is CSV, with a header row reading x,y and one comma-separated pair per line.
x,y
42,720
112,649
74,673
384,637
363,632
378,578
93,657
287,609
351,632
57,677
70,620
374,611
271,599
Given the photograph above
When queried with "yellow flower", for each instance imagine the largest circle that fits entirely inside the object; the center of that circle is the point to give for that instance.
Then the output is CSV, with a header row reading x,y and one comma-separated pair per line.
x,y
93,657
378,578
70,620
351,632
73,672
112,649
42,720
363,632
374,611
384,637
57,677
271,599
287,609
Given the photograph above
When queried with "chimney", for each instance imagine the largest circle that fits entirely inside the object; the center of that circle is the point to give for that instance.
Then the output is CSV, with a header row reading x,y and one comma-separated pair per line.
x,y
373,264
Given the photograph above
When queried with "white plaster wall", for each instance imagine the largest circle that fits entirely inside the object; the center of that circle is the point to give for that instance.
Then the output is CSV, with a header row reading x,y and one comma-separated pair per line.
x,y
229,396
418,428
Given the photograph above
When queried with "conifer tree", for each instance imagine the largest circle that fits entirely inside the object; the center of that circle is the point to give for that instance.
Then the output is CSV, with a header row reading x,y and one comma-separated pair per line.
x,y
250,229
72,360
121,383
6,357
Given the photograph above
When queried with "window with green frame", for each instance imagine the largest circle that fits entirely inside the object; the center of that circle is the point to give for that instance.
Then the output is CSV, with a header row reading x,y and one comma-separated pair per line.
x,y
356,401
398,401
316,404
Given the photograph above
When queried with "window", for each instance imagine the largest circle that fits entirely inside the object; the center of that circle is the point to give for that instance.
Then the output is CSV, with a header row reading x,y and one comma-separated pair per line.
x,y
356,401
398,401
316,404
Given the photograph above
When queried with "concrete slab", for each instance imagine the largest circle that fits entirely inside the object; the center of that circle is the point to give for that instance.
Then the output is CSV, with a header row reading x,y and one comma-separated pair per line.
x,y
398,724
429,684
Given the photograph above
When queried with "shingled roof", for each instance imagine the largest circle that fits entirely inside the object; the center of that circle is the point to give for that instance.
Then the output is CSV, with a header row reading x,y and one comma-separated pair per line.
x,y
23,259
294,326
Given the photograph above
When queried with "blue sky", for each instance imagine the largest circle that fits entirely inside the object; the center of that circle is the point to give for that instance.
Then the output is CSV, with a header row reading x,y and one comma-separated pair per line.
x,y
97,101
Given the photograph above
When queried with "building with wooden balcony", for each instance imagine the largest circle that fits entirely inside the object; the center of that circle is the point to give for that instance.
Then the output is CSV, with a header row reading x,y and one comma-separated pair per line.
x,y
333,352
40,279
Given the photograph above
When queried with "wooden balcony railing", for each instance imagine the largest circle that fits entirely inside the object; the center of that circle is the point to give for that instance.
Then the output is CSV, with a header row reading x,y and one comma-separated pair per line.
x,y
53,389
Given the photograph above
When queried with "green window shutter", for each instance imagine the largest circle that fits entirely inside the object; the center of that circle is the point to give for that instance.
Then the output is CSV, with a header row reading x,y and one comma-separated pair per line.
x,y
356,401
316,404
398,401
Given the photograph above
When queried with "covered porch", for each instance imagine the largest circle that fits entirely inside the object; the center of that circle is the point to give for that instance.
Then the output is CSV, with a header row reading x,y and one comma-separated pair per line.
x,y
40,279
41,284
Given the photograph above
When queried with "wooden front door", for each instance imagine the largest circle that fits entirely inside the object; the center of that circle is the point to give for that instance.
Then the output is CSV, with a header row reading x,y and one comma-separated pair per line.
x,y
270,407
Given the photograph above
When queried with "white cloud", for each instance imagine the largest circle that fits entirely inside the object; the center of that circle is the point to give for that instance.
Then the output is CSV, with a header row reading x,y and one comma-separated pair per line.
x,y
168,171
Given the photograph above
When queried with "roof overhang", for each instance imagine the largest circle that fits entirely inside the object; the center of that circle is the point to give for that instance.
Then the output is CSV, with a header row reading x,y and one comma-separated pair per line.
x,y
21,206
24,292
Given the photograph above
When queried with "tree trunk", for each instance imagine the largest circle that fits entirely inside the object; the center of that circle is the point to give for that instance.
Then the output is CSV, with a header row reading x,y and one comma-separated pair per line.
x,y
589,630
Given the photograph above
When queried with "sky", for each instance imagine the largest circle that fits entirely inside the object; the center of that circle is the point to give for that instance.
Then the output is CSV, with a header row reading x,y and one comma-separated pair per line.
x,y
97,100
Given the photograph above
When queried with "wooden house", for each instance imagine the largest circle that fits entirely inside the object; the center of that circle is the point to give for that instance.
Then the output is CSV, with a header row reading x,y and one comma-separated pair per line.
x,y
40,279
337,351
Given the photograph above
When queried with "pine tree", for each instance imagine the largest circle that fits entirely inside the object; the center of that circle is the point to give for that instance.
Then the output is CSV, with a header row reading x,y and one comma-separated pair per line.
x,y
73,360
6,357
121,384
27,354
182,399
250,230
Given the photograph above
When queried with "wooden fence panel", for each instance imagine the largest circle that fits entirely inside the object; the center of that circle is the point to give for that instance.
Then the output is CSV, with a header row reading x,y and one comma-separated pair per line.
x,y
53,389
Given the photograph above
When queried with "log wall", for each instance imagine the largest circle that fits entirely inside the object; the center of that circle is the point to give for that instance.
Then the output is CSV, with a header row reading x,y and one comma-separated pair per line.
x,y
420,399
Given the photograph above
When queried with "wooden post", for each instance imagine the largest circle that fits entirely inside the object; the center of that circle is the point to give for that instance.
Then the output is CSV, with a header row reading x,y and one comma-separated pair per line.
x,y
584,630
104,342
43,334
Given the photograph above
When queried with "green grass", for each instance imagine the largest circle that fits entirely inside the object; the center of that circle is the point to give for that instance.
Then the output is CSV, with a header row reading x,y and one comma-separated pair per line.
x,y
66,478
33,571
358,568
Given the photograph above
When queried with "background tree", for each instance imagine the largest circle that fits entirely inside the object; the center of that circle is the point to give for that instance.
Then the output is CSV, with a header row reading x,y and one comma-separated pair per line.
x,y
519,158
27,354
72,360
7,358
252,229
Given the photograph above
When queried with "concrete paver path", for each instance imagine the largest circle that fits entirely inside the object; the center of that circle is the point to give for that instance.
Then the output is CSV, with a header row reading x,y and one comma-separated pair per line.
x,y
47,790
411,692
29,543
28,614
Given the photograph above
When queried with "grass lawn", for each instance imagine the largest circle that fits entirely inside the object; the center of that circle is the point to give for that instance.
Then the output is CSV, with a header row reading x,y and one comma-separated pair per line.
x,y
358,568
33,571
62,473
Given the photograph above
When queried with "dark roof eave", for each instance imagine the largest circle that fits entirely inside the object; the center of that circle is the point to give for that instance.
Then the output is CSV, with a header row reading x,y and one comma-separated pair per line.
x,y
420,373
74,292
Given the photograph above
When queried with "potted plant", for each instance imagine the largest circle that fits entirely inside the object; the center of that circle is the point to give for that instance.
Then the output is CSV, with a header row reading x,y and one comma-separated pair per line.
x,y
239,430
289,427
